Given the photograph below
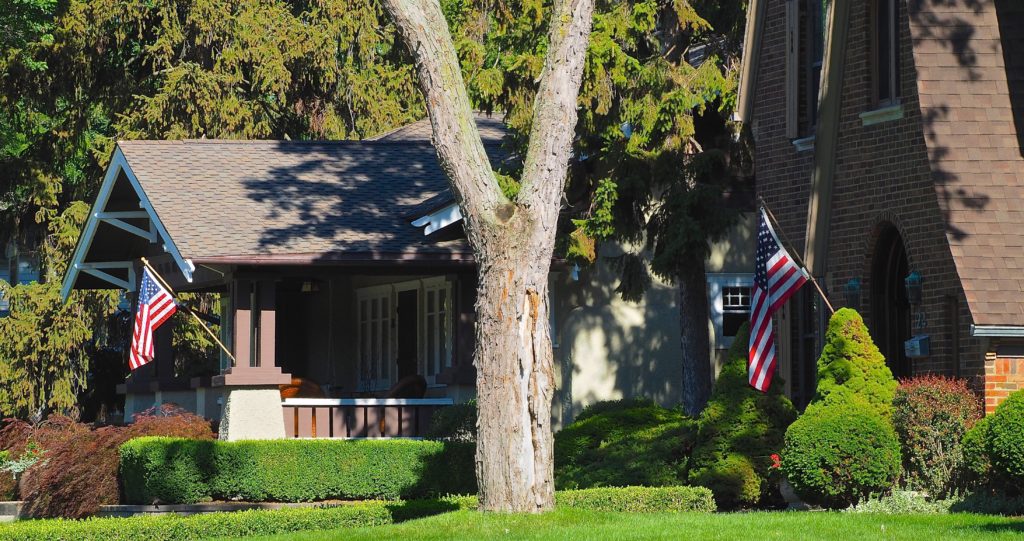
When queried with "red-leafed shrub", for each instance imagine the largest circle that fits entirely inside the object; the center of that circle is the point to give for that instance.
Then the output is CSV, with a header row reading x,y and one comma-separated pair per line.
x,y
78,471
931,414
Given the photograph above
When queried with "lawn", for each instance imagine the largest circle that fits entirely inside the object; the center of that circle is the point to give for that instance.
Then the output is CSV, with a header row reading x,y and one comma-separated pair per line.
x,y
576,524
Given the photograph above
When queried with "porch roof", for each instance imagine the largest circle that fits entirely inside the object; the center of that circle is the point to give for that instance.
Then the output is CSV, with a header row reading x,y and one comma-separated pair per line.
x,y
267,202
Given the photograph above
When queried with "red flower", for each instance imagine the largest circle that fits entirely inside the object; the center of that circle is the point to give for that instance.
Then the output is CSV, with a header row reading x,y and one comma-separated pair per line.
x,y
776,461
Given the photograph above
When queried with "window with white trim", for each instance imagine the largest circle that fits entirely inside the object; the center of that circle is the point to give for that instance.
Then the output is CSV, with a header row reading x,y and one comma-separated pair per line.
x,y
729,300
437,327
374,311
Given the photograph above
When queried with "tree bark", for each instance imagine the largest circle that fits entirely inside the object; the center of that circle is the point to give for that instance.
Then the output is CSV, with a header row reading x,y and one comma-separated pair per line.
x,y
513,242
693,337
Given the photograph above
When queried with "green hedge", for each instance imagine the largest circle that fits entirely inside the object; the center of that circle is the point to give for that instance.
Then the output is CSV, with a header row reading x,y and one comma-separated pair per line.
x,y
1005,440
638,499
205,526
175,470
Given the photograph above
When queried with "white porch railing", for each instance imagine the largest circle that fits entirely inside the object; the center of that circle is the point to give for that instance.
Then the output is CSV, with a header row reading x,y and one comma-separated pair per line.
x,y
346,418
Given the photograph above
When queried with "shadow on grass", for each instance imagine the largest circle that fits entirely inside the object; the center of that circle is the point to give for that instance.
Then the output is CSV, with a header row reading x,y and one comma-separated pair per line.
x,y
403,511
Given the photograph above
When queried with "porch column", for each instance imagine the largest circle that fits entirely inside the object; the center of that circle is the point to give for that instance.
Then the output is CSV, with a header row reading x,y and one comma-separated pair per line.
x,y
251,393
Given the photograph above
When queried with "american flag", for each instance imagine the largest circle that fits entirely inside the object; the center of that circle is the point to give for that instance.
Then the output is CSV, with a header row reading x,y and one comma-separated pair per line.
x,y
776,278
155,307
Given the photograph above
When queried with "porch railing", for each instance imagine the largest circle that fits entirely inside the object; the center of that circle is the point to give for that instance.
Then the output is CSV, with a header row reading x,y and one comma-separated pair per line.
x,y
359,417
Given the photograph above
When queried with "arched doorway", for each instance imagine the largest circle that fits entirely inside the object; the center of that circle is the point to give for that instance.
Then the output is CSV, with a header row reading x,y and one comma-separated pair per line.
x,y
890,310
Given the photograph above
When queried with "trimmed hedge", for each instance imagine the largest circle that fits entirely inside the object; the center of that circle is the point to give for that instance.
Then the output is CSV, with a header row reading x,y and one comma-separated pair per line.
x,y
204,526
638,499
622,443
851,367
976,469
176,470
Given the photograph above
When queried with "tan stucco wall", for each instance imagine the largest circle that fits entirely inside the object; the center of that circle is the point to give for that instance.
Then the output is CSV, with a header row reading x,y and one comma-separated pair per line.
x,y
608,348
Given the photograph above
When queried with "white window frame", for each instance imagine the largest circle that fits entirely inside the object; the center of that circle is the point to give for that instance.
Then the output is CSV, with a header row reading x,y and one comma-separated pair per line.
x,y
441,358
383,373
716,284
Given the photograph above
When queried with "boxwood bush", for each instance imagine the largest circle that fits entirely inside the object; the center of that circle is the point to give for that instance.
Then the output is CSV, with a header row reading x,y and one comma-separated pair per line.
x,y
624,442
843,448
203,526
738,431
837,455
976,469
1005,441
177,470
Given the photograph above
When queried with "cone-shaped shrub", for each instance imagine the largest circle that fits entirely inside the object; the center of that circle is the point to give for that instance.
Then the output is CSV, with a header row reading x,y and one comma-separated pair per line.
x,y
738,431
843,447
851,365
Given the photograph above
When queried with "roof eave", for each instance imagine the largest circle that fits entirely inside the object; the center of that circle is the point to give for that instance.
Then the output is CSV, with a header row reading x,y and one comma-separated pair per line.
x,y
997,331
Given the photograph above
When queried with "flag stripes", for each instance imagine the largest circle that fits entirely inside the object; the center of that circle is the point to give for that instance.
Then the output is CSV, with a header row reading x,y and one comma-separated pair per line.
x,y
155,307
776,278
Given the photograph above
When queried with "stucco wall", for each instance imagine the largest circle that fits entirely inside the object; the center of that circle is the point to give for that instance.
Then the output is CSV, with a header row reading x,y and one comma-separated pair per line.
x,y
608,348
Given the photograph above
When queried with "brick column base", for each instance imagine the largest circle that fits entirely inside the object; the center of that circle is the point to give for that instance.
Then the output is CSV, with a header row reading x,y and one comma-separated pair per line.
x,y
1003,376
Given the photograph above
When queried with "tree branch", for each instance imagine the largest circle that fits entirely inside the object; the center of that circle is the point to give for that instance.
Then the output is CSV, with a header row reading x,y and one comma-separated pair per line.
x,y
459,148
554,110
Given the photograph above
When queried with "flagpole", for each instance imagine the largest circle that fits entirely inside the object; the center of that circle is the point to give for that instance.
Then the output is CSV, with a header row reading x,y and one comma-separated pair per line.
x,y
189,310
795,254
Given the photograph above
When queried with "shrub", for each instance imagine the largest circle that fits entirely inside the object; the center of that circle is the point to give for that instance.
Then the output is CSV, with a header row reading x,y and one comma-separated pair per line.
x,y
905,502
738,431
851,367
638,499
620,443
976,469
78,470
1006,440
203,526
454,423
174,470
835,455
931,414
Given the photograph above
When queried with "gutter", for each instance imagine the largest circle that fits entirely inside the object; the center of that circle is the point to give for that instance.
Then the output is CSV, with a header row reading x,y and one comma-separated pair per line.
x,y
997,331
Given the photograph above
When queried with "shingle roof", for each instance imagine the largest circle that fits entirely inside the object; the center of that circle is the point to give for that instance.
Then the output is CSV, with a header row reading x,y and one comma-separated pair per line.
x,y
970,68
222,199
491,128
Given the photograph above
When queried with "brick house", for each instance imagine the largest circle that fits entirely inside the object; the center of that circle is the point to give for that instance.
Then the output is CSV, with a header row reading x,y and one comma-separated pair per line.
x,y
888,141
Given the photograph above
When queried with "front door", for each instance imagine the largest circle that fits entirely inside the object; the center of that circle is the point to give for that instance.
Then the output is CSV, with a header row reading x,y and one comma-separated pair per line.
x,y
890,309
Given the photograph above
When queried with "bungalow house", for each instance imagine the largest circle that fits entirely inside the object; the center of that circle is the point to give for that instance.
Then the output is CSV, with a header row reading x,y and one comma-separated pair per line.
x,y
344,263
889,145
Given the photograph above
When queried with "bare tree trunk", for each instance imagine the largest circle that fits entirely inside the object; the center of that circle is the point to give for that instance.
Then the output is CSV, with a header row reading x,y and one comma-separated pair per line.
x,y
513,242
693,337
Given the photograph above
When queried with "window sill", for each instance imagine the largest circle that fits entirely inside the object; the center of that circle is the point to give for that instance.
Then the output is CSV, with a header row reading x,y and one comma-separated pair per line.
x,y
804,144
882,114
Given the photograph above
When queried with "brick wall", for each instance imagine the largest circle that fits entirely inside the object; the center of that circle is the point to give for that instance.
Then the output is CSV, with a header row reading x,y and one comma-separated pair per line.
x,y
1004,373
883,177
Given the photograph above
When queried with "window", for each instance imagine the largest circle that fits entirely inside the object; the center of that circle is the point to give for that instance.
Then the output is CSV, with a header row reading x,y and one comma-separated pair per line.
x,y
729,300
735,308
19,269
805,45
437,342
814,53
886,40
373,319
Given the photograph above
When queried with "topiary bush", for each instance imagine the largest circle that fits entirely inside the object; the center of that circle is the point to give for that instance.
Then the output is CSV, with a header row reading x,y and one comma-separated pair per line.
x,y
738,431
851,367
177,470
1005,442
622,443
931,415
838,454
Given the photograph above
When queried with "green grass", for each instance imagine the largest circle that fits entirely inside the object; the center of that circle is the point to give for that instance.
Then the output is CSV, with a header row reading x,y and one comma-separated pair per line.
x,y
577,524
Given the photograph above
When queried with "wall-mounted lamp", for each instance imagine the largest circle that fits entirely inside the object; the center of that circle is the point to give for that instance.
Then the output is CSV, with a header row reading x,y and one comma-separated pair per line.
x,y
852,292
913,283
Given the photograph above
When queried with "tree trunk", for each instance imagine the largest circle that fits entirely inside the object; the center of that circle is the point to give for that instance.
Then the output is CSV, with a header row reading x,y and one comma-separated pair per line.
x,y
693,337
513,242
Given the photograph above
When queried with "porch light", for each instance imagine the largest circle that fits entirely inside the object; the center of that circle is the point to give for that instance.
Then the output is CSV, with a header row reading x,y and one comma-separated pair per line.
x,y
913,283
852,292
